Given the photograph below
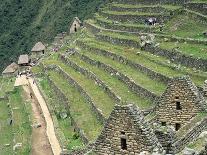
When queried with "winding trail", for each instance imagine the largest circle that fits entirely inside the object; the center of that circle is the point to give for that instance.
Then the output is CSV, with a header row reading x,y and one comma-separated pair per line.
x,y
49,123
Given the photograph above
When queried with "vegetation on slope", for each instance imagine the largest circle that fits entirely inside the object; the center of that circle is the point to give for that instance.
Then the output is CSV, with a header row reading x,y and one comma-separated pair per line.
x,y
24,22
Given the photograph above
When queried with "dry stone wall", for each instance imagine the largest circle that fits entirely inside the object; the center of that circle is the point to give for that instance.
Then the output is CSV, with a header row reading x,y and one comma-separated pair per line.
x,y
190,136
152,74
67,103
150,2
180,102
139,90
126,132
175,56
97,112
93,77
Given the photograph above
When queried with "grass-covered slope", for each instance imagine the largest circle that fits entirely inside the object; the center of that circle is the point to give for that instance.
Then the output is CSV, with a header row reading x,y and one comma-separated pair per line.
x,y
109,67
22,23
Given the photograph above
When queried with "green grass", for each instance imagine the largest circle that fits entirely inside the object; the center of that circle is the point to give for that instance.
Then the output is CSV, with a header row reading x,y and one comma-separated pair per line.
x,y
195,50
143,58
139,78
79,108
198,77
168,7
20,131
97,94
64,124
6,135
116,85
185,26
6,84
133,13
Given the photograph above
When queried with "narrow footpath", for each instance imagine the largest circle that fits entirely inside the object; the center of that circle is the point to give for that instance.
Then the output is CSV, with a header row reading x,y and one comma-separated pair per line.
x,y
40,142
49,123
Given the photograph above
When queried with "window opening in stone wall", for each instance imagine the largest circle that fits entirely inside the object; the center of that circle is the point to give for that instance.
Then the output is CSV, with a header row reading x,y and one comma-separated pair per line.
x,y
176,97
75,29
178,105
122,132
163,123
177,126
123,144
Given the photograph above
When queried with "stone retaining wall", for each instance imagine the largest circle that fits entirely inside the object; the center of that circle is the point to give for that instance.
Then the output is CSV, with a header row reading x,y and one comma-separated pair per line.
x,y
190,136
92,76
96,111
59,134
139,90
152,74
198,7
73,122
151,2
178,57
135,18
119,27
152,9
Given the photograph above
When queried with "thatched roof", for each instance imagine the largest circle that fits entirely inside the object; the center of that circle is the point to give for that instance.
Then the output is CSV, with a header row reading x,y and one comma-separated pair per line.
x,y
11,68
23,59
38,47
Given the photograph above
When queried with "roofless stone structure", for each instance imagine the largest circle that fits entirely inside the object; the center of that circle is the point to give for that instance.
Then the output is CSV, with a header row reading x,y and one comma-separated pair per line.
x,y
126,132
179,103
75,26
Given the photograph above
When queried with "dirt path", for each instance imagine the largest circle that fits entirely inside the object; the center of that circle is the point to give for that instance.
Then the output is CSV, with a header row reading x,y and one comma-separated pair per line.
x,y
40,142
49,123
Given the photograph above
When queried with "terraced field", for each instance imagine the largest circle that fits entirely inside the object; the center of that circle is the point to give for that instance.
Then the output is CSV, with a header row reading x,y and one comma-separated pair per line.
x,y
108,66
15,124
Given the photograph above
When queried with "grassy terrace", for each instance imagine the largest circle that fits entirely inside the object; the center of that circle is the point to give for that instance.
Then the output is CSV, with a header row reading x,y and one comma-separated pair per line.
x,y
20,130
195,50
182,25
98,95
116,85
147,59
72,141
133,13
168,7
124,24
6,84
129,53
138,77
79,108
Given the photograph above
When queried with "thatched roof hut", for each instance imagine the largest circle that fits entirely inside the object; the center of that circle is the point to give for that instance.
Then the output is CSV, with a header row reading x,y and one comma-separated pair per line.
x,y
12,68
38,47
23,59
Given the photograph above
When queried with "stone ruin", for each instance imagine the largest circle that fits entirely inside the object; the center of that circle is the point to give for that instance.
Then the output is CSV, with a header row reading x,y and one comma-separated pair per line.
x,y
127,131
76,25
179,103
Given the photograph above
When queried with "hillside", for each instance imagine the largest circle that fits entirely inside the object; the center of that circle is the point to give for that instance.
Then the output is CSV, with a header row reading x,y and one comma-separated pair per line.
x,y
131,80
24,22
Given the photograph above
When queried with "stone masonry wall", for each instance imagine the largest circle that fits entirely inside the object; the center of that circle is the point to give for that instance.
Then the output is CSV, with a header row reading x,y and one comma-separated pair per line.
x,y
180,90
130,83
190,136
152,74
67,103
126,123
97,112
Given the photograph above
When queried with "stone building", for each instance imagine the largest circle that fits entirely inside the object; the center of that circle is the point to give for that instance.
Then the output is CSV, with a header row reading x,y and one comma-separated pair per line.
x,y
38,49
76,25
10,70
126,132
23,60
179,103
